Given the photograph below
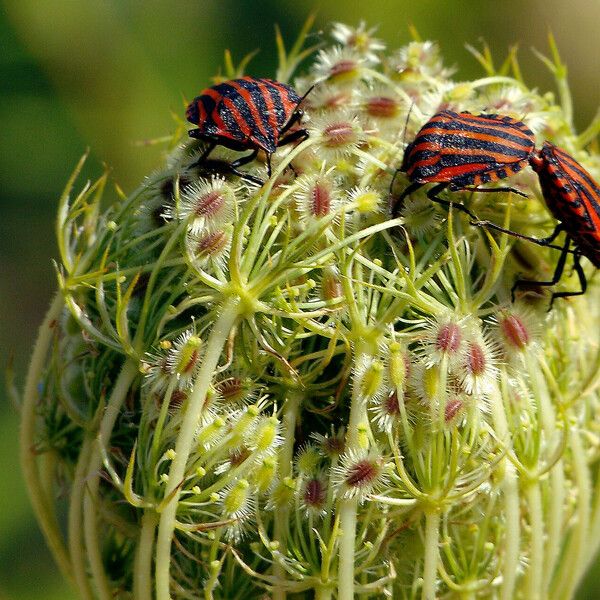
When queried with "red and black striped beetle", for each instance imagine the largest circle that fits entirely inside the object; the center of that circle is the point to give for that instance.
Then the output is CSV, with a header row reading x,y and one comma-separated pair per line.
x,y
573,197
246,114
461,151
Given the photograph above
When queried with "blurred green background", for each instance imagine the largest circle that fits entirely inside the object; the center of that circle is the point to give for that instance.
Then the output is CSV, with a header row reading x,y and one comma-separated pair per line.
x,y
107,73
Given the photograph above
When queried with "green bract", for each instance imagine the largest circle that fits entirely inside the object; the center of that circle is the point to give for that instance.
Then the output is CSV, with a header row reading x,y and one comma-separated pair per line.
x,y
242,390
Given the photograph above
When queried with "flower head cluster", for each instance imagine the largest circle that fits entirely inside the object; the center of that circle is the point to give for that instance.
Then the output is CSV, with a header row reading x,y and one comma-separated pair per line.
x,y
292,388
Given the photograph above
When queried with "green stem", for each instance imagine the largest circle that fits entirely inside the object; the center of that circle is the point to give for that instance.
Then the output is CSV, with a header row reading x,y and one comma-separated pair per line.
x,y
535,571
75,521
575,552
290,417
142,582
91,499
347,507
42,505
547,416
510,489
431,558
185,440
347,512
323,592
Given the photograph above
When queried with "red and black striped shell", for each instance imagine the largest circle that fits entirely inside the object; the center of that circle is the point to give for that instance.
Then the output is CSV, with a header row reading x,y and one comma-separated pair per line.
x,y
572,196
468,150
251,112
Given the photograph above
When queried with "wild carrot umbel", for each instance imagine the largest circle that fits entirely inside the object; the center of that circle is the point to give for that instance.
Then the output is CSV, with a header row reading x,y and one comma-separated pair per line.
x,y
279,389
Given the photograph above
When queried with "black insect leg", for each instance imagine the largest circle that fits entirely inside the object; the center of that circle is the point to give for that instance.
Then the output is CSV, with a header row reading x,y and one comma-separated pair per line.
x,y
397,204
244,160
558,271
296,136
582,281
432,194
497,190
204,155
546,242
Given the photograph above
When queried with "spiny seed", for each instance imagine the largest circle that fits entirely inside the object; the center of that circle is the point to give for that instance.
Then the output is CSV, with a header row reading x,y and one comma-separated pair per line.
x,y
448,338
382,107
178,397
191,362
333,446
476,362
238,456
338,134
331,286
314,493
336,101
452,409
210,203
391,404
320,200
212,243
362,473
515,332
343,67
231,389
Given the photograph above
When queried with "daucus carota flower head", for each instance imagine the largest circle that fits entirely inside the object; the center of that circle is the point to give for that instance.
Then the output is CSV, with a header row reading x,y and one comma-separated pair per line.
x,y
289,387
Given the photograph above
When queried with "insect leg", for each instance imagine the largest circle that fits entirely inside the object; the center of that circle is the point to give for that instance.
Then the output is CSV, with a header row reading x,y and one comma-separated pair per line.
x,y
204,155
296,136
582,281
397,204
244,160
432,194
547,241
497,189
558,271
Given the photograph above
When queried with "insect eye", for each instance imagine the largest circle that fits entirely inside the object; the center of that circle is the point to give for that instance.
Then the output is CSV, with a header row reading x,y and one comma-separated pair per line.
x,y
191,114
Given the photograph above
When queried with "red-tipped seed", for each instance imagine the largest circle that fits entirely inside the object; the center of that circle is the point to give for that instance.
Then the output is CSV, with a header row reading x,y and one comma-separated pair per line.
x,y
448,338
514,331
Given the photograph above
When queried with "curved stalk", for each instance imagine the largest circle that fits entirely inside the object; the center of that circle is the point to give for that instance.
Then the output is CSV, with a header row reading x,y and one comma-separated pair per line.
x,y
91,499
431,558
510,489
290,417
42,505
142,582
218,337
75,522
347,512
535,571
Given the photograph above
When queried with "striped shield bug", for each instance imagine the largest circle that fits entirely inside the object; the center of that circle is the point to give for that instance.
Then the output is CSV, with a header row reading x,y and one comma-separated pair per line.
x,y
461,151
573,197
246,114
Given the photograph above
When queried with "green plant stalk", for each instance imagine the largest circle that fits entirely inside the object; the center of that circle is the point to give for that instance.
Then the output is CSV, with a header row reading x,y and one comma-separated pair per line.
x,y
185,439
128,373
510,490
576,547
142,583
536,542
431,556
347,513
347,507
323,592
286,453
547,417
42,505
76,547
